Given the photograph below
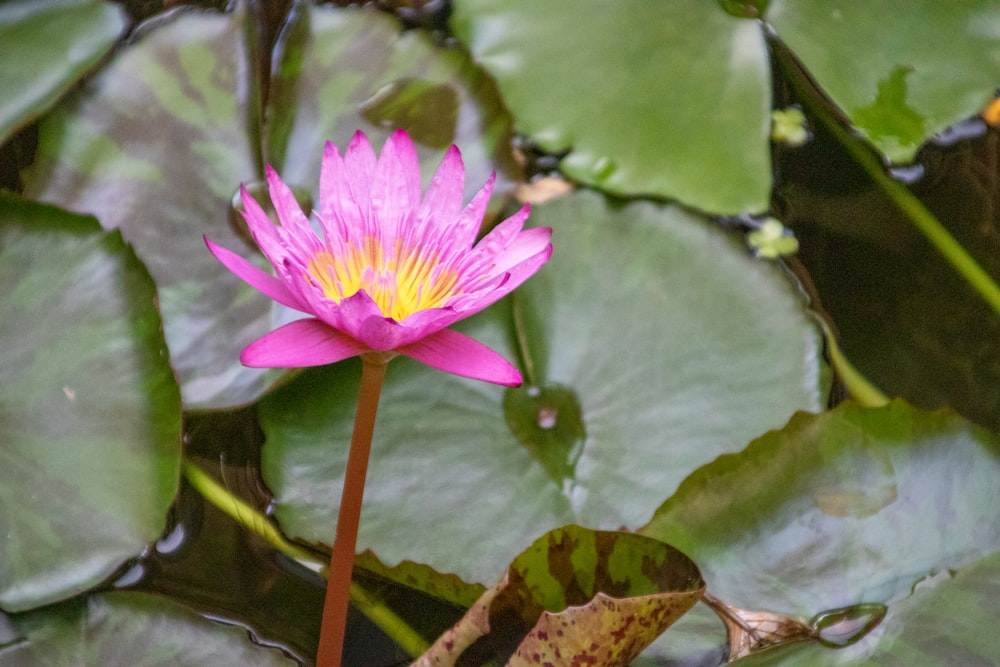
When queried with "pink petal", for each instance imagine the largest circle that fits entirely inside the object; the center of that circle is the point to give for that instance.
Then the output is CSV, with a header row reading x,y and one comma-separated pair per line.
x,y
482,259
395,190
262,229
456,353
360,162
339,211
471,303
361,318
443,201
306,342
431,320
288,209
466,228
256,278
528,244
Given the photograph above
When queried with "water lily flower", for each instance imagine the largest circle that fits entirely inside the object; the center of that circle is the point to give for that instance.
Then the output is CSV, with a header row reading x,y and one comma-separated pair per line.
x,y
392,270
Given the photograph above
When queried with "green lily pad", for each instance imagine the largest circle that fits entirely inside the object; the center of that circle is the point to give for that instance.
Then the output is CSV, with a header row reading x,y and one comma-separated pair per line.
x,y
126,629
653,318
670,99
949,619
62,40
846,507
90,410
900,76
158,144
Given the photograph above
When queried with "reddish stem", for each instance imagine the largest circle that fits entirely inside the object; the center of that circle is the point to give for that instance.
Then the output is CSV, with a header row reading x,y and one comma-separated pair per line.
x,y
338,585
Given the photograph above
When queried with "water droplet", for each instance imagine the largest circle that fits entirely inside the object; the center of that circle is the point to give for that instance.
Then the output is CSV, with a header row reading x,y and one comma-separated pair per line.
x,y
847,625
547,418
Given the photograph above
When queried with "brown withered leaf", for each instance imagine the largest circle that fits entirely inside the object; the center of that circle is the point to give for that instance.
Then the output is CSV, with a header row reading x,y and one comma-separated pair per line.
x,y
543,189
752,631
575,596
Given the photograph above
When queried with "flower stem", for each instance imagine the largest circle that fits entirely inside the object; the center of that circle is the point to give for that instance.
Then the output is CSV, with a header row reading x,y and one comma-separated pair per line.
x,y
331,637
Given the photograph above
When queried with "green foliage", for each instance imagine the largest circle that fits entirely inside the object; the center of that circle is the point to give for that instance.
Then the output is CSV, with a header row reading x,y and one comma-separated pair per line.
x,y
89,408
126,629
62,40
655,344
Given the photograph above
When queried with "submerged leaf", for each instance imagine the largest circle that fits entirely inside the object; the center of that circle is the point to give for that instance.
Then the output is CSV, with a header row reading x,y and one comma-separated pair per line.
x,y
575,596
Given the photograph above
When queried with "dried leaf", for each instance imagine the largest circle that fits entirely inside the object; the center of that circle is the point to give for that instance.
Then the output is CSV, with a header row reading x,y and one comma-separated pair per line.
x,y
574,596
752,631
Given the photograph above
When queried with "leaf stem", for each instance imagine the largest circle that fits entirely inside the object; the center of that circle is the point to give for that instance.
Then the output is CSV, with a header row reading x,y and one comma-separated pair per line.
x,y
253,520
240,511
333,628
910,205
378,613
858,386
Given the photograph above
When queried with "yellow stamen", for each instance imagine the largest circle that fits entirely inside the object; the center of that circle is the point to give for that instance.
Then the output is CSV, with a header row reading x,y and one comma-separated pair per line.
x,y
400,283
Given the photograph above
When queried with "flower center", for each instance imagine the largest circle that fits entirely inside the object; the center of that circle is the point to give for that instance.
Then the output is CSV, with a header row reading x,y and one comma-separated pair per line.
x,y
401,282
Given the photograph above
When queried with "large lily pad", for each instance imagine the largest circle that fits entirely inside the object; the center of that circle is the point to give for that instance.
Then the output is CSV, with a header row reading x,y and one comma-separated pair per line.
x,y
89,408
677,346
670,99
62,40
158,144
155,146
909,74
850,506
126,629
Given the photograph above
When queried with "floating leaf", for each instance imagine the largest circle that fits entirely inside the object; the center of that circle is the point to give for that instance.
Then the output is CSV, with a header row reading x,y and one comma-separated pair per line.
x,y
849,506
909,75
671,99
62,40
445,587
575,596
90,411
548,422
156,146
127,629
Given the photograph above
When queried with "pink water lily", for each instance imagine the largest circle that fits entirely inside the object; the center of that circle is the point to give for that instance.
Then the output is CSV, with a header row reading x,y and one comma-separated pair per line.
x,y
392,269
